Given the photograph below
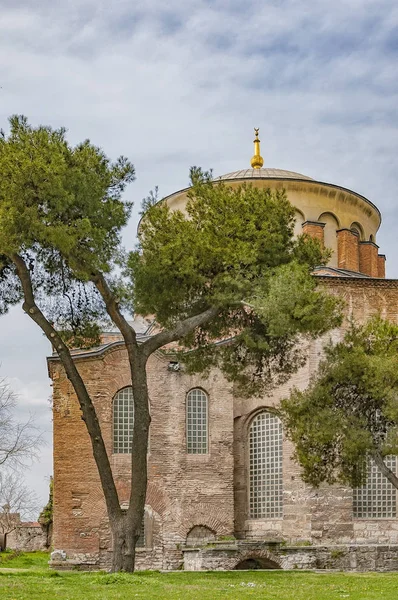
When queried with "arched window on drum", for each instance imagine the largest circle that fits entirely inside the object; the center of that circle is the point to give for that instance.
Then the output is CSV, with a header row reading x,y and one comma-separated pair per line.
x,y
330,235
265,477
358,230
298,223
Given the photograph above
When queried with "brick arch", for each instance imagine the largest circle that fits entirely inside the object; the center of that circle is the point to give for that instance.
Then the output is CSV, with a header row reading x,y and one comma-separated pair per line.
x,y
265,555
206,515
200,533
157,499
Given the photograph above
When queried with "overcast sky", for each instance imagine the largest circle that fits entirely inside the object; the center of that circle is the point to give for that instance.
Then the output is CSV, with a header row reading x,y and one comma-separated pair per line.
x,y
177,84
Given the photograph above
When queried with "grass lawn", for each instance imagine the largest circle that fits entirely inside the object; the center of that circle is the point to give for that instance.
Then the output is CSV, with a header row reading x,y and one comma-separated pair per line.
x,y
26,578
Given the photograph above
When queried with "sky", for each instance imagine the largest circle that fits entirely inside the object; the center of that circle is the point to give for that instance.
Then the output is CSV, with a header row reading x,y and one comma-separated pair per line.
x,y
176,84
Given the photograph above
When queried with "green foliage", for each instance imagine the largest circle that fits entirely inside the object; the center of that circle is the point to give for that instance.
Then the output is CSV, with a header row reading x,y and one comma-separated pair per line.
x,y
60,197
233,249
46,515
350,409
61,209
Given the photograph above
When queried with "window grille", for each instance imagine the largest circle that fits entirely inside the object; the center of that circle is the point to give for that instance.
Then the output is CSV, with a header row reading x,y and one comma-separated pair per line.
x,y
197,418
266,481
123,419
377,499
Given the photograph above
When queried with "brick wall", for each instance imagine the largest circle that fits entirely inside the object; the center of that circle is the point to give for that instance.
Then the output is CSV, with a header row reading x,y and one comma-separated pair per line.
x,y
347,250
368,259
184,490
314,229
381,265
187,490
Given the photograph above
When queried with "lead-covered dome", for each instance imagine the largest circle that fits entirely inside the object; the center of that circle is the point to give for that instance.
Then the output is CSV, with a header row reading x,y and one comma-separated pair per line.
x,y
264,174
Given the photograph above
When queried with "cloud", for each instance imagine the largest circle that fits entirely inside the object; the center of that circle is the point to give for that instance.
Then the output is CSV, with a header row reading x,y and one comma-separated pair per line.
x,y
184,83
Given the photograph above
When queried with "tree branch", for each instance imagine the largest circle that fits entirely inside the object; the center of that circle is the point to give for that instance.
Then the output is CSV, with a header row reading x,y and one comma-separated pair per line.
x,y
89,415
180,330
113,310
392,478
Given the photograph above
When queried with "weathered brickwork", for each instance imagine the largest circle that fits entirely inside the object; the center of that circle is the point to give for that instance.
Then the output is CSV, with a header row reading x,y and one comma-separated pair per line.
x,y
381,265
208,490
315,230
184,490
347,250
368,259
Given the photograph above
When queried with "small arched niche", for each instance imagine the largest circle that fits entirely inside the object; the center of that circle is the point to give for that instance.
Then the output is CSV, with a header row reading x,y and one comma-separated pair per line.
x,y
299,219
358,230
199,535
330,234
255,563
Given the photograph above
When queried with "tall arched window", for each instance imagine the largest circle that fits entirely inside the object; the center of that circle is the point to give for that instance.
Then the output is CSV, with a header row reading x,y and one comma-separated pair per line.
x,y
266,483
197,422
298,223
330,235
123,419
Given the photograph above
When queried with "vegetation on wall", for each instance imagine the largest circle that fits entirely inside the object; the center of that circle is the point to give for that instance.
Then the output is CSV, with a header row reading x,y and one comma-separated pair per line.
x,y
349,413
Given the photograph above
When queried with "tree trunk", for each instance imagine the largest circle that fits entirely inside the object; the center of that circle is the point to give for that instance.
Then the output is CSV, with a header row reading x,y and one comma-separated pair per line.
x,y
124,540
139,455
392,478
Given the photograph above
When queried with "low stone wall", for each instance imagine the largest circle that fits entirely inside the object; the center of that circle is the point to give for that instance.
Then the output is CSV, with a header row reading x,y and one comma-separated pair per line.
x,y
354,557
27,537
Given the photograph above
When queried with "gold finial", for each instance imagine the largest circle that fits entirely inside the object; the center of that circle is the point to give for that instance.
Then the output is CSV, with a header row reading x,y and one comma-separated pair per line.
x,y
257,160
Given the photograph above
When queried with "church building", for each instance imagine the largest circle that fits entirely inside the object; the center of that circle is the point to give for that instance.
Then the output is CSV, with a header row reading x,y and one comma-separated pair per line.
x,y
223,490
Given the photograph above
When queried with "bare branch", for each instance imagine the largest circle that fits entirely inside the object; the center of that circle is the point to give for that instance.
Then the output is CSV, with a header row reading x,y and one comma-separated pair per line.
x,y
19,442
17,501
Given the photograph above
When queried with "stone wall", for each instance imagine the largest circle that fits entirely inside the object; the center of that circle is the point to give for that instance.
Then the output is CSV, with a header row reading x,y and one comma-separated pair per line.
x,y
27,537
258,555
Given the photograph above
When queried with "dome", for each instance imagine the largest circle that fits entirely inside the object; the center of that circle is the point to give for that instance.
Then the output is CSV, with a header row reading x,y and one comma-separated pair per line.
x,y
264,174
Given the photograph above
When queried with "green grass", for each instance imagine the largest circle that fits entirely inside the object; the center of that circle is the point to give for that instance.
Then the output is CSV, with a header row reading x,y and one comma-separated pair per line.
x,y
38,583
24,560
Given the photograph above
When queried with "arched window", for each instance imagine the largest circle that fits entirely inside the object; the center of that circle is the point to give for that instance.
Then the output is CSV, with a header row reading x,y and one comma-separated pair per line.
x,y
357,229
123,419
330,235
266,483
197,422
298,223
